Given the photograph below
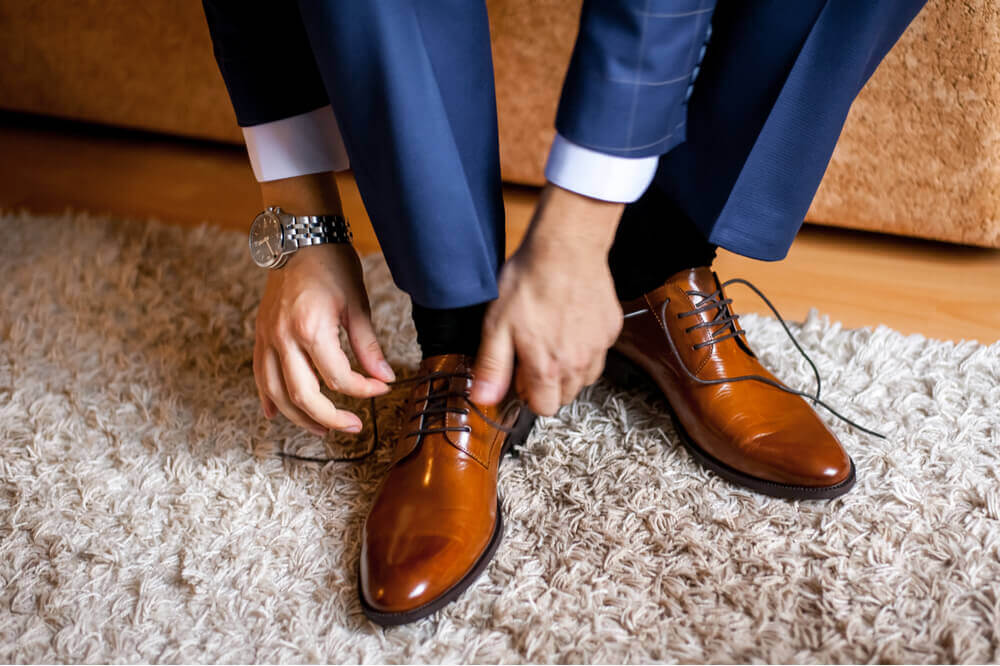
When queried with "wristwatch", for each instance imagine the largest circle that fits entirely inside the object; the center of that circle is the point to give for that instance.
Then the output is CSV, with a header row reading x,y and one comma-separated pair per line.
x,y
275,234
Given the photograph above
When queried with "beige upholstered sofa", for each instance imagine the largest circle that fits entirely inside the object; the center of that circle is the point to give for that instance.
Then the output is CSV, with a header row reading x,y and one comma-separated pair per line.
x,y
920,154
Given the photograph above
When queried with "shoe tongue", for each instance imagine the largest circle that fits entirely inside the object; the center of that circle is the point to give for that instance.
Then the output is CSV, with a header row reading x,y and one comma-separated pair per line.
x,y
445,363
700,278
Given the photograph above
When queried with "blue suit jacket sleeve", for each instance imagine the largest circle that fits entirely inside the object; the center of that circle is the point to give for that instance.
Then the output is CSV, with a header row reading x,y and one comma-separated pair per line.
x,y
631,73
265,59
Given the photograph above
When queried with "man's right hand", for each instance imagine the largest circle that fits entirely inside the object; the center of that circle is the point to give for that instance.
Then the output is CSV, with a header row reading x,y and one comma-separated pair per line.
x,y
306,302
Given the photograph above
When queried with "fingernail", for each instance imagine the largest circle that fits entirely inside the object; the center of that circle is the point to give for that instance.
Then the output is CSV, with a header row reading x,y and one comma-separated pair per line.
x,y
354,429
483,390
387,369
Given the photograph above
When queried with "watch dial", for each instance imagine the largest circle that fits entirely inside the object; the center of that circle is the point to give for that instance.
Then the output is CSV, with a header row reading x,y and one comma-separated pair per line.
x,y
265,239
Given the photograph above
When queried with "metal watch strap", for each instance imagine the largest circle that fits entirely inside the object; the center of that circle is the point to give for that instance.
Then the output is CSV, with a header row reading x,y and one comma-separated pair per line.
x,y
306,230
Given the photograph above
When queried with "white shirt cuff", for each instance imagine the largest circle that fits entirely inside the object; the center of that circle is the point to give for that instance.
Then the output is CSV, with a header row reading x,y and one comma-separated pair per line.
x,y
295,146
598,175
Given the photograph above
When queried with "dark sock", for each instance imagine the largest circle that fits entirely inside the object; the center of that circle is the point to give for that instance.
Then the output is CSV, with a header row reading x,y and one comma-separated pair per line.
x,y
449,330
655,240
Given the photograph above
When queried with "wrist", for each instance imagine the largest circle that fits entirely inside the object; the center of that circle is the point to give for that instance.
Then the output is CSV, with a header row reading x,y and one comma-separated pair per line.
x,y
315,255
311,194
573,222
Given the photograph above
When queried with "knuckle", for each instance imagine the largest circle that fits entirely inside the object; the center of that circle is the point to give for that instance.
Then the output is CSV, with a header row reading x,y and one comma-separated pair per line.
x,y
305,328
540,368
281,331
298,397
575,363
333,384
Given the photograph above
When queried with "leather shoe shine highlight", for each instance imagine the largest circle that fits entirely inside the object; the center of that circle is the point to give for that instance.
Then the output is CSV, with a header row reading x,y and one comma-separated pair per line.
x,y
435,522
684,337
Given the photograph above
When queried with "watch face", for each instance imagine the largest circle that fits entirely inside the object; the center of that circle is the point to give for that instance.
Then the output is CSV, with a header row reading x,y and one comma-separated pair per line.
x,y
266,239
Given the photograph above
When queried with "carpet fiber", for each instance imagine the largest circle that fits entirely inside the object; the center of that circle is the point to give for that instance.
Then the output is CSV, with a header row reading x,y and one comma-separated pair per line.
x,y
136,523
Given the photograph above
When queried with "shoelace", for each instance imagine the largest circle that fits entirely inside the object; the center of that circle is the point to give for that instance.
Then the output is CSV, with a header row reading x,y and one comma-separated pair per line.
x,y
726,320
436,404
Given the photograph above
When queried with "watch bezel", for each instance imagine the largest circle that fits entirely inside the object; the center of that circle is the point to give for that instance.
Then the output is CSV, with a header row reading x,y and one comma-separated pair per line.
x,y
264,217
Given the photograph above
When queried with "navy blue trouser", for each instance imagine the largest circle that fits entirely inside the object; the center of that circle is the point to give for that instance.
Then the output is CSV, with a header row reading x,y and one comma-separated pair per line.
x,y
411,83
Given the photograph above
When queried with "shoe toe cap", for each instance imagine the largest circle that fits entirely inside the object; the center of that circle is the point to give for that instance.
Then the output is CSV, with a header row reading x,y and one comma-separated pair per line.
x,y
404,574
806,457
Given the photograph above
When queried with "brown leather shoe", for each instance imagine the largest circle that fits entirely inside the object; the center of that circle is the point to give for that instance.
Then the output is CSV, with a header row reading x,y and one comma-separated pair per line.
x,y
435,523
685,338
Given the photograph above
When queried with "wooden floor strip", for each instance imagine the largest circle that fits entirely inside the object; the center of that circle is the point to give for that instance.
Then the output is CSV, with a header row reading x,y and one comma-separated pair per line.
x,y
861,279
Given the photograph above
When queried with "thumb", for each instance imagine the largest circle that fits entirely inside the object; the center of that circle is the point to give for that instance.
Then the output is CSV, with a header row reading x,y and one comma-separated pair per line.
x,y
494,366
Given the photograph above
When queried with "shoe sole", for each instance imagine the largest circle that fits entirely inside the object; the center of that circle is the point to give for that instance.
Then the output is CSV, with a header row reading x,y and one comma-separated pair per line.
x,y
622,371
522,428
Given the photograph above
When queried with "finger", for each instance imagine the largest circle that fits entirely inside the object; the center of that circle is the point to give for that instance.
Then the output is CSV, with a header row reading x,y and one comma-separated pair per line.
x,y
333,365
266,404
570,387
493,367
595,370
366,348
541,387
302,387
274,388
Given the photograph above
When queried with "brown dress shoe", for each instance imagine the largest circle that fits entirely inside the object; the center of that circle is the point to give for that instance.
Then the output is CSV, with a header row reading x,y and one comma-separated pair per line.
x,y
685,338
436,523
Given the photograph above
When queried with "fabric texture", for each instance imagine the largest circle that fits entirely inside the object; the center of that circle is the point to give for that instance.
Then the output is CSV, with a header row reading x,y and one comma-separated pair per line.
x,y
748,100
265,60
919,154
631,74
771,99
136,525
412,90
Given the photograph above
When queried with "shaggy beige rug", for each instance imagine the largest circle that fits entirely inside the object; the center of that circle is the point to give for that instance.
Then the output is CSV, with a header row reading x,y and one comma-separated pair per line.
x,y
136,525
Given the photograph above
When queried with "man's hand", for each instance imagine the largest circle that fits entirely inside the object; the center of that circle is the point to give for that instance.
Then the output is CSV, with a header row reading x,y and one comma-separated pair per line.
x,y
305,303
557,309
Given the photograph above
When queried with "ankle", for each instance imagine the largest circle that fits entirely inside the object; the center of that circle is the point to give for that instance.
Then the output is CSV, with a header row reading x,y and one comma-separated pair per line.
x,y
639,280
449,330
